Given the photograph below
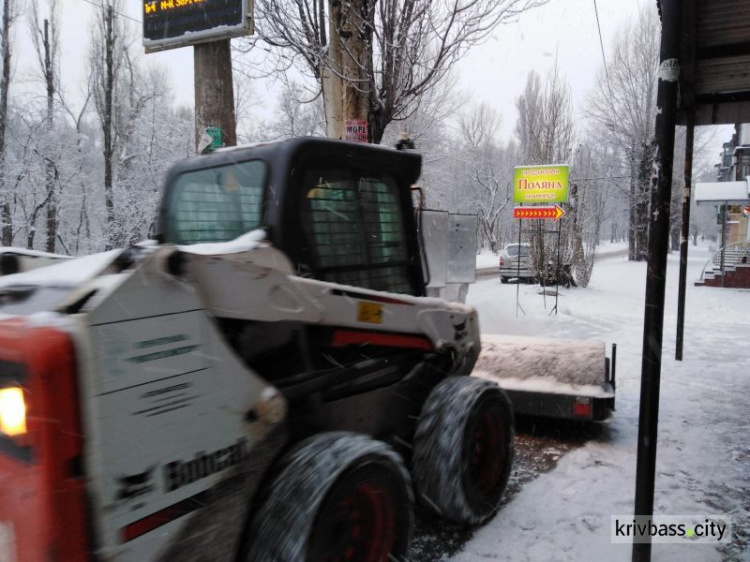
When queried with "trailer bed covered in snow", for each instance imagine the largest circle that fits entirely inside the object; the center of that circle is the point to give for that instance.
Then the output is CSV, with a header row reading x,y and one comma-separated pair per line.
x,y
572,379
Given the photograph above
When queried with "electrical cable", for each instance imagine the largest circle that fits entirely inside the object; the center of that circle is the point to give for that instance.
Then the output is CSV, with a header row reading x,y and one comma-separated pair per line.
x,y
99,5
601,45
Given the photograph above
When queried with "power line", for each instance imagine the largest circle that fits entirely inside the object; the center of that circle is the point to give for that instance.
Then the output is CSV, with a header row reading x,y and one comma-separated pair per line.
x,y
601,45
602,178
115,11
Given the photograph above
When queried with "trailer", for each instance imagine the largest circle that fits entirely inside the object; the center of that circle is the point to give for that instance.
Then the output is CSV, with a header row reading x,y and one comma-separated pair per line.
x,y
552,378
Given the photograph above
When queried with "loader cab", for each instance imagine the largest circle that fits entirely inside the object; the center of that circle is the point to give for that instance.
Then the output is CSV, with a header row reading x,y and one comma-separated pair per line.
x,y
341,212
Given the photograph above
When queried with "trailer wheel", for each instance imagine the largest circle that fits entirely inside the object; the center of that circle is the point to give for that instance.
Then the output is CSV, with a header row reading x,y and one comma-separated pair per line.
x,y
463,449
336,497
503,279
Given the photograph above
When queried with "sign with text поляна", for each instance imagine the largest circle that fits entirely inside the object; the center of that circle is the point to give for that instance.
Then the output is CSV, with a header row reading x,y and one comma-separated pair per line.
x,y
540,213
168,24
356,130
540,184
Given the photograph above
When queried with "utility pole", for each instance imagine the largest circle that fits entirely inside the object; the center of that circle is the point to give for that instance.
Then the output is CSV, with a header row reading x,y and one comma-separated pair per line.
x,y
214,92
658,246
347,97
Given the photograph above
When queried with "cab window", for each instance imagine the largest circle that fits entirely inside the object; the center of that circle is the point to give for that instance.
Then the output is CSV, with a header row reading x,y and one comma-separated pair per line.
x,y
217,204
354,225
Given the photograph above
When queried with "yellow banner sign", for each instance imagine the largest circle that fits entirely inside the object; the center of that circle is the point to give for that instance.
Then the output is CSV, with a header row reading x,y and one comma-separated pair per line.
x,y
540,184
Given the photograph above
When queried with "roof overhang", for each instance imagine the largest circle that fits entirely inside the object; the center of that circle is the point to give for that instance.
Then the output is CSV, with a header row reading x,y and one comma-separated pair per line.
x,y
715,61
723,193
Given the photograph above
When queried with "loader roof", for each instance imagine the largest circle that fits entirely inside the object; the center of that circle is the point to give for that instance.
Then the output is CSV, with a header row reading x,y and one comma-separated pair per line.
x,y
340,211
285,152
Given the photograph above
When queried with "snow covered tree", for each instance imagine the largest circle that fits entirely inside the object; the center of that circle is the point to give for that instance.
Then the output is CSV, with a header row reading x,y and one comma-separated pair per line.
x,y
488,172
5,192
592,201
393,51
297,115
624,104
106,58
45,36
151,137
545,120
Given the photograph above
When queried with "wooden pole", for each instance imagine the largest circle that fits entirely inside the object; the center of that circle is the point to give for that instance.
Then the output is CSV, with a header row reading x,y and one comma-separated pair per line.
x,y
214,92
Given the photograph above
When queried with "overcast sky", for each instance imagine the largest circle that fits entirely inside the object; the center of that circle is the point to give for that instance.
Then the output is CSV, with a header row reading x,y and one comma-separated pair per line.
x,y
495,72
566,30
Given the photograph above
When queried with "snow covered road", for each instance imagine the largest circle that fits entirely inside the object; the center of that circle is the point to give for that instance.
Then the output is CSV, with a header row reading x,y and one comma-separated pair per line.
x,y
703,463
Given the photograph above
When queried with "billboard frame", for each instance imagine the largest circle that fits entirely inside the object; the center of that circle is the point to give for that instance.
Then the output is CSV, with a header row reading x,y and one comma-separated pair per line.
x,y
544,173
218,33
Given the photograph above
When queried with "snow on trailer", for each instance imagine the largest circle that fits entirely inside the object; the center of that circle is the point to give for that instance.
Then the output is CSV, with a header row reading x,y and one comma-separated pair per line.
x,y
570,379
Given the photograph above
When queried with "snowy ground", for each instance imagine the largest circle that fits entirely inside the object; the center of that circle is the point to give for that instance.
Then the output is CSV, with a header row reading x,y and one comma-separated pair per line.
x,y
703,463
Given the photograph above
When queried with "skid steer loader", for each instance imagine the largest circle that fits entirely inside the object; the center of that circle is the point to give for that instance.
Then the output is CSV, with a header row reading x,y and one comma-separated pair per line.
x,y
265,381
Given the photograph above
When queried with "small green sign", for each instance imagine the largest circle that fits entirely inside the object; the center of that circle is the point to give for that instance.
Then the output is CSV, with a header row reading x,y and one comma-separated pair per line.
x,y
215,133
540,184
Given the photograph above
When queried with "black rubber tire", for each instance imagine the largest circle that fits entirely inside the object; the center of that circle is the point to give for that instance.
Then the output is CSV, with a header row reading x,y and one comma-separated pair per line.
x,y
333,495
503,280
463,449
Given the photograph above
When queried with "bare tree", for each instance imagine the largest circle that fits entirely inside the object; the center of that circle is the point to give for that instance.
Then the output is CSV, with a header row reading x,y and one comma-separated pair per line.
x,y
297,115
624,104
45,36
403,48
545,120
244,101
590,198
106,57
7,196
487,170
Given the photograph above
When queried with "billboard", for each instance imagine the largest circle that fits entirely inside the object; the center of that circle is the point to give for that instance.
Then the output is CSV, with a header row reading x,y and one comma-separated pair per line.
x,y
540,184
178,23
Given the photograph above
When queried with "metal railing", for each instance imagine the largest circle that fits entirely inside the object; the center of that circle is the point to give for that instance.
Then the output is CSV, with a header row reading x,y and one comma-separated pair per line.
x,y
729,256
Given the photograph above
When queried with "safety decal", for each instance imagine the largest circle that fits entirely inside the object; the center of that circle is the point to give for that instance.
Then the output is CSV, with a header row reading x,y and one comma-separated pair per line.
x,y
369,312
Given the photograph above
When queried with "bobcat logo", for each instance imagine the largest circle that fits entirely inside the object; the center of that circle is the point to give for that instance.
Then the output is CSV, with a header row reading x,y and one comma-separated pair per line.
x,y
135,485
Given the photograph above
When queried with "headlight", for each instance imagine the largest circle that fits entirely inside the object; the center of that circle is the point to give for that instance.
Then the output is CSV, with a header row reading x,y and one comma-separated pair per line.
x,y
12,411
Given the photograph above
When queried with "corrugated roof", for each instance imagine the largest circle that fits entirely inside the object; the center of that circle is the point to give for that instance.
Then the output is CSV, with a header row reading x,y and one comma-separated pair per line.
x,y
723,22
718,77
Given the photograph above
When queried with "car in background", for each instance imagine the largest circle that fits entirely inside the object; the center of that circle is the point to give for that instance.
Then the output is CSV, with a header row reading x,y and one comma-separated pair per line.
x,y
515,263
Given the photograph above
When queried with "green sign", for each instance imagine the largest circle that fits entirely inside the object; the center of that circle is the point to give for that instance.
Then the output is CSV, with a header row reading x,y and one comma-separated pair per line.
x,y
215,133
540,184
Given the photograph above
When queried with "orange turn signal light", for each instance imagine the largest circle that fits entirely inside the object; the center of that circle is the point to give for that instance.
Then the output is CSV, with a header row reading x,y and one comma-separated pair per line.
x,y
12,411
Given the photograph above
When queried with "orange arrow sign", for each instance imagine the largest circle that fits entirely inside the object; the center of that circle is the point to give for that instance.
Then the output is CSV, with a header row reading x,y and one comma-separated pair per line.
x,y
542,213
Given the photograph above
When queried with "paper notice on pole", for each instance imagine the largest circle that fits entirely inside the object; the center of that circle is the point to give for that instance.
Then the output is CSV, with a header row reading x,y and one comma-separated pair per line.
x,y
669,70
356,130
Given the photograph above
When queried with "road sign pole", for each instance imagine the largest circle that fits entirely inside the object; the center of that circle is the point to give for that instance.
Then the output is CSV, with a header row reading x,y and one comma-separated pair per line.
x,y
518,270
557,276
